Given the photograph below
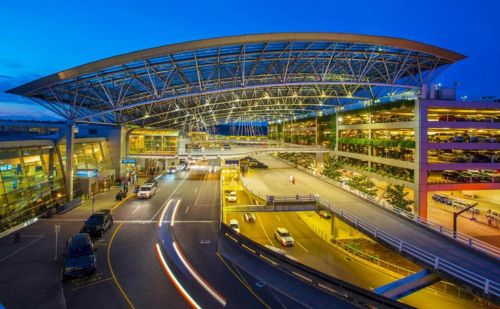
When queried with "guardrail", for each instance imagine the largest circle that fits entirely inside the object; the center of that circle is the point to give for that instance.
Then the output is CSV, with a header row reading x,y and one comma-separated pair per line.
x,y
482,284
284,207
331,285
463,239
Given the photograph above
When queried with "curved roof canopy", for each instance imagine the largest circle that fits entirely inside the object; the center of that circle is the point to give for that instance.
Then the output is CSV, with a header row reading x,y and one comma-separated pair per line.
x,y
238,78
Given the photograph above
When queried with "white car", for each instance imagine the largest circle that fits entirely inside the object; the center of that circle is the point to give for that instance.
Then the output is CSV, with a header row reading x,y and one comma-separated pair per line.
x,y
283,236
147,191
235,225
250,217
231,197
172,170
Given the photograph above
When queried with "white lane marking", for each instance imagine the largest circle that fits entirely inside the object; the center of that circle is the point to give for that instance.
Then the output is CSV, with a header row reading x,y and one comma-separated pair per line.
x,y
180,183
198,278
136,209
195,190
174,279
187,208
22,248
164,212
298,243
260,223
172,222
279,219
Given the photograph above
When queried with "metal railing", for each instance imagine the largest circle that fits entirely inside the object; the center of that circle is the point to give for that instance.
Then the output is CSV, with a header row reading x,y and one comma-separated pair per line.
x,y
486,286
462,238
331,285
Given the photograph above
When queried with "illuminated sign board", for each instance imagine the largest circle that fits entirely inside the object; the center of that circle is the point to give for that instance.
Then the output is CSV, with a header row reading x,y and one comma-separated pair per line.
x,y
5,167
129,161
87,173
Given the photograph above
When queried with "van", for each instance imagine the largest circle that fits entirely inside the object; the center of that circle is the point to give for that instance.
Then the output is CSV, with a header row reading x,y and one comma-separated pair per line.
x,y
235,225
79,259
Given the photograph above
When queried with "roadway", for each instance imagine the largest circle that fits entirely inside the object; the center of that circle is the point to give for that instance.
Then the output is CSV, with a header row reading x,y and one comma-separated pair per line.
x,y
311,250
275,181
130,270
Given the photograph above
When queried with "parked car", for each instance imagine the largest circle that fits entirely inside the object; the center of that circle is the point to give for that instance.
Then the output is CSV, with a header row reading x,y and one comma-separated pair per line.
x,y
97,224
440,137
451,175
148,190
324,214
467,176
283,237
232,197
235,225
79,259
249,217
446,118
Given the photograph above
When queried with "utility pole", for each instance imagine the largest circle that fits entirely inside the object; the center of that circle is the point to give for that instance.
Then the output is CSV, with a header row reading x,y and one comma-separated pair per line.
x,y
455,216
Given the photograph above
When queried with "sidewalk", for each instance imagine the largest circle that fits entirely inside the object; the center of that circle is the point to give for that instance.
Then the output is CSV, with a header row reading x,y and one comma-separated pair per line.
x,y
103,200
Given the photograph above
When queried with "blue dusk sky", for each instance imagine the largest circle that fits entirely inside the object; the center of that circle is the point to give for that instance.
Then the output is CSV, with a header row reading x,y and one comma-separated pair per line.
x,y
43,37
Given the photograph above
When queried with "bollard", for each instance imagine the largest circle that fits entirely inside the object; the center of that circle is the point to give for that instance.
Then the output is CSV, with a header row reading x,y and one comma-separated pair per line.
x,y
17,237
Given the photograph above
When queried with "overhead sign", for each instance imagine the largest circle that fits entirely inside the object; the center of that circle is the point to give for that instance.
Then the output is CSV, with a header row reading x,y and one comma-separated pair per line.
x,y
87,173
129,161
5,167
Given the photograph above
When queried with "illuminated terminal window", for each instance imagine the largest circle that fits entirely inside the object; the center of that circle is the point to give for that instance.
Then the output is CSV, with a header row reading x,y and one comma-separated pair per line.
x,y
153,142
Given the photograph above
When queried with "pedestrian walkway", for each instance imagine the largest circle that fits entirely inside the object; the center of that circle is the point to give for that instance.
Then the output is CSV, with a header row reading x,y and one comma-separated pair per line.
x,y
275,181
103,200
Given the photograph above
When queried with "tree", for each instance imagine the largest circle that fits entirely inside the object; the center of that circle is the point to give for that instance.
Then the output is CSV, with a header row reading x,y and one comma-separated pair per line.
x,y
363,184
331,168
396,196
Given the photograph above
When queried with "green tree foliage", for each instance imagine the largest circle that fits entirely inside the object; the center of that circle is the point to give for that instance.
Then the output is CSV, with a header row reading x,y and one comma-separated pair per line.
x,y
396,196
331,168
363,184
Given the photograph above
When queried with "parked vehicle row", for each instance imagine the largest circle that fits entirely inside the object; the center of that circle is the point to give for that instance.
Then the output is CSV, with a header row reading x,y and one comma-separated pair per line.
x,y
469,118
470,176
79,258
465,156
463,138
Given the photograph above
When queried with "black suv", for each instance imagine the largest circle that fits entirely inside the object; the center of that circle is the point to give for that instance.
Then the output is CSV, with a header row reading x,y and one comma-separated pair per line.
x,y
79,259
97,224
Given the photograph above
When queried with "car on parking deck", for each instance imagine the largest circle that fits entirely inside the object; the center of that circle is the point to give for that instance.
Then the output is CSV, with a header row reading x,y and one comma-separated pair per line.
x,y
235,225
232,197
79,259
97,223
147,190
324,214
249,217
283,236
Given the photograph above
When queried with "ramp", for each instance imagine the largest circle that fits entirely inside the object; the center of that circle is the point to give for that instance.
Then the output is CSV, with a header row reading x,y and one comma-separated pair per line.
x,y
408,285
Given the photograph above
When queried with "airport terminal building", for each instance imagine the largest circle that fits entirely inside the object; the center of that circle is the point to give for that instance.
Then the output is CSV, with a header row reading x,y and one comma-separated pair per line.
x,y
369,100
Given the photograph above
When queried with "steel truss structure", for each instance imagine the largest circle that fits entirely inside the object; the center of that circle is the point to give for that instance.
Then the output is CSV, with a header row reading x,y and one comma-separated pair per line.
x,y
241,78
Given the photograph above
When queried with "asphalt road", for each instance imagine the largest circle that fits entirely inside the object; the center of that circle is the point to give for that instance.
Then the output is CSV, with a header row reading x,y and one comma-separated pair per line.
x,y
275,180
130,272
315,252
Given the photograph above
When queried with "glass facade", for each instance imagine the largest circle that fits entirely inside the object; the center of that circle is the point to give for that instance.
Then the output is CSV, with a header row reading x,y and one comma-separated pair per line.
x,y
31,181
155,142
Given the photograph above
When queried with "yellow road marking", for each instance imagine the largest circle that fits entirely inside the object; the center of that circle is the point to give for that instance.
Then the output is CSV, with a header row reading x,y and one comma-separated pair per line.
x,y
242,281
111,268
122,201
